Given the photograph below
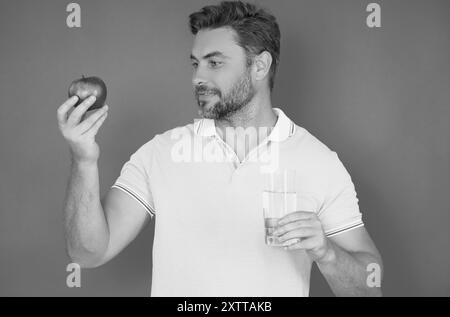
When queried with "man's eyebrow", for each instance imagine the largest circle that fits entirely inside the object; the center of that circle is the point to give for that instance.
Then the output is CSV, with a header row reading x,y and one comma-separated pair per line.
x,y
212,54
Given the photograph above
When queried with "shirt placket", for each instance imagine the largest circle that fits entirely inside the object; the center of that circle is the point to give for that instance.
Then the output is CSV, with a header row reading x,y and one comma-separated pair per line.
x,y
236,162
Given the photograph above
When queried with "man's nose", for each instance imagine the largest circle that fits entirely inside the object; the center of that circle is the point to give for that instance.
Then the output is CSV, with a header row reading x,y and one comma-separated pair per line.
x,y
199,78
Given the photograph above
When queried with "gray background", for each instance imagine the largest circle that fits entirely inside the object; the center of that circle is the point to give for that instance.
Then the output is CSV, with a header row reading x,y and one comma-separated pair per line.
x,y
378,97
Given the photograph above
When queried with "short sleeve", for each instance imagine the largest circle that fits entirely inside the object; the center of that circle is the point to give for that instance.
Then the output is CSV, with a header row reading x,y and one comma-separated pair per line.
x,y
133,178
340,211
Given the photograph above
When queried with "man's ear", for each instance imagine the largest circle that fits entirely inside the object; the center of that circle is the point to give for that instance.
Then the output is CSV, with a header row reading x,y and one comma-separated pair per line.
x,y
262,63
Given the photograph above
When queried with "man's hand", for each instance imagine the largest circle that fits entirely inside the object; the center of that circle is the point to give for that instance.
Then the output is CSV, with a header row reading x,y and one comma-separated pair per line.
x,y
302,230
342,260
79,128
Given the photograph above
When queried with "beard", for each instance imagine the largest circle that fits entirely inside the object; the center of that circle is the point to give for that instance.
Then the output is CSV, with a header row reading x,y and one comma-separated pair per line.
x,y
240,94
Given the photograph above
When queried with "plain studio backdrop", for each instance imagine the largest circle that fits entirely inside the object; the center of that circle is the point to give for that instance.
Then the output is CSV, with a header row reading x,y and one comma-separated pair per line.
x,y
379,97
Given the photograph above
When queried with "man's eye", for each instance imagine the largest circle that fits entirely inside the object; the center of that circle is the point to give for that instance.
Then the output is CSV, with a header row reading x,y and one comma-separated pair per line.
x,y
195,65
214,63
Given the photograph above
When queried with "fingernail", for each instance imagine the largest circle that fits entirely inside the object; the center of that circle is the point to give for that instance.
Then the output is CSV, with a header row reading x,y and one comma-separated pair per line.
x,y
92,98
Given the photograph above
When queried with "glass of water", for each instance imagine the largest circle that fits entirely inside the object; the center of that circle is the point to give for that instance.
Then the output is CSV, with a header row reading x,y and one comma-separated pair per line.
x,y
279,199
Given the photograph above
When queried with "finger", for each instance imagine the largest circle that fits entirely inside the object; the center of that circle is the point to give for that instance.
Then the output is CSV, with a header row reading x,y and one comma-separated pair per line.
x,y
87,123
291,242
297,233
294,246
64,108
87,114
292,226
305,244
294,216
75,116
94,129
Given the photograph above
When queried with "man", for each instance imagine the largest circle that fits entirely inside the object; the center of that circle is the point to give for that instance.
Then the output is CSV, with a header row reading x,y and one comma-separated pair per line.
x,y
209,229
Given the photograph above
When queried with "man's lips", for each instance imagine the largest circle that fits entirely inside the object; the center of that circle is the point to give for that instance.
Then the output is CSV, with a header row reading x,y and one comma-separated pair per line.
x,y
205,96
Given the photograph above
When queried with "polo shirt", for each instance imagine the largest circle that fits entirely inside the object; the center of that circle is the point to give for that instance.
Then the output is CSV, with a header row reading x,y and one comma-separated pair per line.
x,y
207,205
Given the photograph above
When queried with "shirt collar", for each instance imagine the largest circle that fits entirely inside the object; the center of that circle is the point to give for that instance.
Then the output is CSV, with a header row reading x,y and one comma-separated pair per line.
x,y
284,127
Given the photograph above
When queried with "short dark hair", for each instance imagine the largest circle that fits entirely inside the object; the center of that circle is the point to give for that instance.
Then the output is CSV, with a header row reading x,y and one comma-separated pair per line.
x,y
257,30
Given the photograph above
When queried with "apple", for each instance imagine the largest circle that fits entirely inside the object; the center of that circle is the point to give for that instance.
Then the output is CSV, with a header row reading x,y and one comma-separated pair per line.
x,y
86,87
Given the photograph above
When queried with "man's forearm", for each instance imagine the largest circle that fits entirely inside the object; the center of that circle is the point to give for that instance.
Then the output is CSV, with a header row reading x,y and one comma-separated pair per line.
x,y
346,273
87,234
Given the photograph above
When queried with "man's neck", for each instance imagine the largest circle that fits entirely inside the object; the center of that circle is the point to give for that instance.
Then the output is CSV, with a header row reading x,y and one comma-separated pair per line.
x,y
258,113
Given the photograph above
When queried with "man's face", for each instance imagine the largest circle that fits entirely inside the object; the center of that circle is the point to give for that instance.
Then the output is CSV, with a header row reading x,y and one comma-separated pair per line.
x,y
222,81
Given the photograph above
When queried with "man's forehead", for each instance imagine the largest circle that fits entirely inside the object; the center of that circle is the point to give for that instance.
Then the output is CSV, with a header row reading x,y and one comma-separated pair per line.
x,y
221,40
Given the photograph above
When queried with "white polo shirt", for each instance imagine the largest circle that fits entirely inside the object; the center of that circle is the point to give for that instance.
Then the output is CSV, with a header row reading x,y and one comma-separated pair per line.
x,y
209,225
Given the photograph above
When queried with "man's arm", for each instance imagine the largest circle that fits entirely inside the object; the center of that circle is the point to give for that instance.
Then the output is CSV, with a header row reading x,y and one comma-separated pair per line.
x,y
86,227
346,266
342,259
126,218
96,231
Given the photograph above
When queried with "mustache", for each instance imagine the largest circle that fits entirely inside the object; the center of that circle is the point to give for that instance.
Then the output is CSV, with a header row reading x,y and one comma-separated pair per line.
x,y
200,90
